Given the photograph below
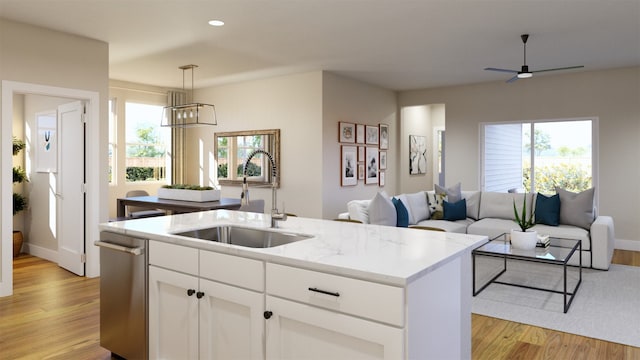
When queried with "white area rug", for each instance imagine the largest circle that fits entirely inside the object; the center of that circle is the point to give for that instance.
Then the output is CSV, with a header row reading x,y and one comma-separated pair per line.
x,y
606,306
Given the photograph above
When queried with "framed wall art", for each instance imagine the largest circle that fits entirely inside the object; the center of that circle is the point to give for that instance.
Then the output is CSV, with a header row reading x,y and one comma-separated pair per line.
x,y
381,179
361,172
46,143
384,136
371,166
383,160
360,133
417,154
347,132
361,153
348,166
372,135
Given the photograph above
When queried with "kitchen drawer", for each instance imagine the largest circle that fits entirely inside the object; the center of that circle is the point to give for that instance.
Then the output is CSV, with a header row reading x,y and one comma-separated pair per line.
x,y
234,270
362,298
173,257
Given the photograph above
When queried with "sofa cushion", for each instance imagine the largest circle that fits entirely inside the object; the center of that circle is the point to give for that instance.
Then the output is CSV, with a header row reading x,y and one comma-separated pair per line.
x,y
418,206
402,215
454,211
547,209
435,201
453,193
459,226
576,208
500,205
382,211
566,232
492,227
359,210
473,203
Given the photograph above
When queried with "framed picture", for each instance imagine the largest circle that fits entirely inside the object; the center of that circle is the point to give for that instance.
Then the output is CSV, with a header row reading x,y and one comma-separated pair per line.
x,y
384,136
46,143
348,166
360,133
361,172
372,135
381,179
371,166
383,160
417,154
361,153
347,133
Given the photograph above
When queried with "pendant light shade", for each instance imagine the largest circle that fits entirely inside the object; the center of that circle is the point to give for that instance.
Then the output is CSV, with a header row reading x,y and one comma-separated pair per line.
x,y
191,114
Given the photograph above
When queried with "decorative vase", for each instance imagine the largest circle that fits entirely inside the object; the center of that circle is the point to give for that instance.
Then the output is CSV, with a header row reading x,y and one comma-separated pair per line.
x,y
17,242
524,240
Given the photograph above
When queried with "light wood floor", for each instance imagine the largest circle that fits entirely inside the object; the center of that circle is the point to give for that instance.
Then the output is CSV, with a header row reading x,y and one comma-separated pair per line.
x,y
54,314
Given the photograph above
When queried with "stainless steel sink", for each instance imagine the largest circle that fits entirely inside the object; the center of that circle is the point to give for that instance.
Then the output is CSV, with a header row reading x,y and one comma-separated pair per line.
x,y
255,238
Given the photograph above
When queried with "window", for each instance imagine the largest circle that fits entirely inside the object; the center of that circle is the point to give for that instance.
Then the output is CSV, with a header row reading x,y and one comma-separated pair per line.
x,y
112,139
146,143
232,151
538,156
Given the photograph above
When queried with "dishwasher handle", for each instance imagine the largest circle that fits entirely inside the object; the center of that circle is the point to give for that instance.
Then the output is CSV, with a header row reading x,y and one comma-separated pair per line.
x,y
133,251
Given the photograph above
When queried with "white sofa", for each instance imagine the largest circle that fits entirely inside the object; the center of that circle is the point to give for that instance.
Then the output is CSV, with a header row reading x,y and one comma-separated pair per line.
x,y
491,214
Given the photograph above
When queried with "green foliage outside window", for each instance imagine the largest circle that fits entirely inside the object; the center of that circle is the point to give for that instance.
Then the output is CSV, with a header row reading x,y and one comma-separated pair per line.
x,y
570,176
136,173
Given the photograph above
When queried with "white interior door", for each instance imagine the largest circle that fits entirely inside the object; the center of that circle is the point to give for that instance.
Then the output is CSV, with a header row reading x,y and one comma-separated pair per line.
x,y
70,187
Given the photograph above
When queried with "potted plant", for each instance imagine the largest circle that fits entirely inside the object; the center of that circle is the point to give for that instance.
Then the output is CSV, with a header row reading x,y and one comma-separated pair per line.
x,y
523,238
189,193
19,201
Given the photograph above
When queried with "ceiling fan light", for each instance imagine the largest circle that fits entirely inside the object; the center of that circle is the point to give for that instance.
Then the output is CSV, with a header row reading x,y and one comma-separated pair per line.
x,y
524,75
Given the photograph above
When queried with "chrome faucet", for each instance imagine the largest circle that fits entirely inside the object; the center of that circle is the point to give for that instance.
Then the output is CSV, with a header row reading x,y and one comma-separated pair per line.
x,y
275,214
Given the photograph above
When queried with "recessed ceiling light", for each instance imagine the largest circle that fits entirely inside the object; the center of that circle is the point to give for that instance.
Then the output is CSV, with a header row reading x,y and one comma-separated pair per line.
x,y
216,22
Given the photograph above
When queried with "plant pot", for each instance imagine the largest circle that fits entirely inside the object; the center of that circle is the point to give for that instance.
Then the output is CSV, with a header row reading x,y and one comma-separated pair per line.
x,y
17,242
524,240
189,195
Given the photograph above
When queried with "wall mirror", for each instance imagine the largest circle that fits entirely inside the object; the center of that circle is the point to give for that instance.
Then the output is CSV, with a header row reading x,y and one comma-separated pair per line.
x,y
233,148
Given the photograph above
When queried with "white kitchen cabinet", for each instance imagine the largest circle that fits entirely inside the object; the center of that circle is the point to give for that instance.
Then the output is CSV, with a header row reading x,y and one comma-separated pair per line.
x,y
316,315
173,315
299,331
191,317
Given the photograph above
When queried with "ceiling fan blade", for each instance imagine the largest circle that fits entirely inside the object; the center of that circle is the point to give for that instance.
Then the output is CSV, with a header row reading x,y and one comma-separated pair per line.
x,y
502,70
514,78
562,68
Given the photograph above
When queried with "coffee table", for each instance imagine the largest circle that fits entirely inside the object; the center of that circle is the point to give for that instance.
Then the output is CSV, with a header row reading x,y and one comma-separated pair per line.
x,y
557,253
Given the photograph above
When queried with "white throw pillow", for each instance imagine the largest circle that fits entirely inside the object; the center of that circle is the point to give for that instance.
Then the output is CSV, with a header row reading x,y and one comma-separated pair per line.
x,y
359,210
419,206
382,211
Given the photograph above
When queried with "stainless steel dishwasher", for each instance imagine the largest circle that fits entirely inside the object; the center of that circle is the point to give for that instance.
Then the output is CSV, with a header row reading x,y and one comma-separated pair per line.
x,y
123,295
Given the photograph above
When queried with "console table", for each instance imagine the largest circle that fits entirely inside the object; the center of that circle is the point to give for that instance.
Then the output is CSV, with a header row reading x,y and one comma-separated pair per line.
x,y
153,202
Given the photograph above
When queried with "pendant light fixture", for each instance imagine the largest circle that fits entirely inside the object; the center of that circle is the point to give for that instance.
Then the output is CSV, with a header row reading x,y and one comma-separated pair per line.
x,y
191,114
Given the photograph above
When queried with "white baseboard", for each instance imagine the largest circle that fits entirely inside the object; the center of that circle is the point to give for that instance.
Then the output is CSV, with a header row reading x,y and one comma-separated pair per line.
x,y
41,252
622,244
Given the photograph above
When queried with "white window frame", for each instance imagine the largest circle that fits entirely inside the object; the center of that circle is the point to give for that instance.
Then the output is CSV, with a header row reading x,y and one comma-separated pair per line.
x,y
594,148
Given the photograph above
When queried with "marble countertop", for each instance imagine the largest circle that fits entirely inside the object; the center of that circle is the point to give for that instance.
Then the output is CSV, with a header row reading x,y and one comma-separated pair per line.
x,y
383,254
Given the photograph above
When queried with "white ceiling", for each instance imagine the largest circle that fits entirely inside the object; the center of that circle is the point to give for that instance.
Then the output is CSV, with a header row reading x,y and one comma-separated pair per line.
x,y
396,44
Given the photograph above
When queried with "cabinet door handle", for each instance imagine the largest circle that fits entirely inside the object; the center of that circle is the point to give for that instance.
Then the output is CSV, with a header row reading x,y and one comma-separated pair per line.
x,y
199,294
336,294
190,292
267,314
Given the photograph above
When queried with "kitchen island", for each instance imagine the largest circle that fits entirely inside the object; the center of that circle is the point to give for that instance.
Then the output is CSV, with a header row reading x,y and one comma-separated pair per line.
x,y
348,291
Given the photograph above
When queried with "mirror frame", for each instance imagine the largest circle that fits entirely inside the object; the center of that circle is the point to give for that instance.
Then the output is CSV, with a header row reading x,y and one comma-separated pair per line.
x,y
274,133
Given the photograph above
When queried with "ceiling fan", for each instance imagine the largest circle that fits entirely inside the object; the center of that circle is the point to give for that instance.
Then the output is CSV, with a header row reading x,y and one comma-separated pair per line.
x,y
524,72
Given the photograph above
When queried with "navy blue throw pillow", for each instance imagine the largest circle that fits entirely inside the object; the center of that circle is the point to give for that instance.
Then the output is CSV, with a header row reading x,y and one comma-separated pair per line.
x,y
401,212
455,211
548,209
